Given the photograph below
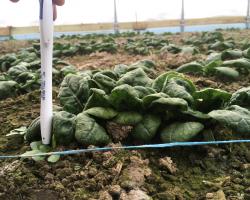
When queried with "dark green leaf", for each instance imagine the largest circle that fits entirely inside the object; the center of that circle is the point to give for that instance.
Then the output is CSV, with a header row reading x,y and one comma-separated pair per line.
x,y
74,91
8,89
68,70
159,82
238,63
125,97
147,100
17,70
210,68
178,88
64,127
134,78
246,53
33,131
98,98
147,128
209,99
181,132
128,118
89,132
120,69
100,112
231,54
144,91
193,67
241,97
235,117
168,104
104,82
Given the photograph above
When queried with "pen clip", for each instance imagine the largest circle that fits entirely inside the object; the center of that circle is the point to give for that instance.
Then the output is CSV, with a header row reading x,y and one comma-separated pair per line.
x,y
41,10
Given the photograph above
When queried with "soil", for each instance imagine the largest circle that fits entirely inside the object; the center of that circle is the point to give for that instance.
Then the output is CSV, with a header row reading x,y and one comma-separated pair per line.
x,y
207,172
12,46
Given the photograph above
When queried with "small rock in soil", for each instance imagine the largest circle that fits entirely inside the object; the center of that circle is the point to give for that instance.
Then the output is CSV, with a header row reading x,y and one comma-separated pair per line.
x,y
245,166
49,177
134,175
214,152
135,195
219,195
92,172
104,195
168,164
58,186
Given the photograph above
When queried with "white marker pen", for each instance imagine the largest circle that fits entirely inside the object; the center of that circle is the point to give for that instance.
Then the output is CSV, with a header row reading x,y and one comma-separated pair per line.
x,y
46,44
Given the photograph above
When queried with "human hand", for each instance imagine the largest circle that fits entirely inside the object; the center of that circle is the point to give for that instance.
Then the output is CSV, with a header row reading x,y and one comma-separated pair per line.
x,y
55,3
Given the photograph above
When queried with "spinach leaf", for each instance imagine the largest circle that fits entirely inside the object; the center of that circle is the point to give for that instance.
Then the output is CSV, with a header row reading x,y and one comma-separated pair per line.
x,y
128,118
209,99
147,128
8,89
89,132
134,78
98,98
241,97
179,88
125,97
64,127
235,117
74,92
104,82
162,104
193,67
227,72
231,54
101,112
241,63
181,132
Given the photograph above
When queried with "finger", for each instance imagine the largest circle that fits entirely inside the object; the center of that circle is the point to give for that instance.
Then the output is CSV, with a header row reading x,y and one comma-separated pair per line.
x,y
59,2
14,0
54,12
